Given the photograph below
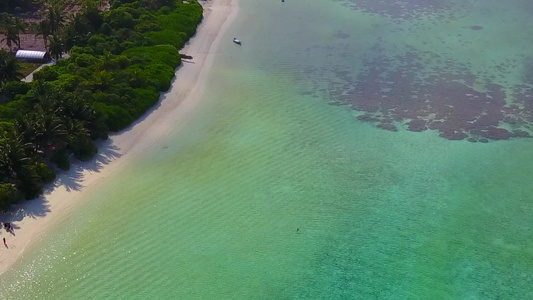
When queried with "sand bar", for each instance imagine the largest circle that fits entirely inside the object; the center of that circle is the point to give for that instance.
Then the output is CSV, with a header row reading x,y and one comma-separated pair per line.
x,y
31,219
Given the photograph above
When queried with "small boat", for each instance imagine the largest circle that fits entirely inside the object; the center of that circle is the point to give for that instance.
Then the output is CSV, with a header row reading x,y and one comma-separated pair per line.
x,y
236,41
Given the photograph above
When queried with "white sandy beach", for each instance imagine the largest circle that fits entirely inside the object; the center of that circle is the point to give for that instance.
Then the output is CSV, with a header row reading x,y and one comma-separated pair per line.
x,y
31,219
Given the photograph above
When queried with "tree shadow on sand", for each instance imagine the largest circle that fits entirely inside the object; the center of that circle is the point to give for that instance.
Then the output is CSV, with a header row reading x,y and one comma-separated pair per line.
x,y
71,180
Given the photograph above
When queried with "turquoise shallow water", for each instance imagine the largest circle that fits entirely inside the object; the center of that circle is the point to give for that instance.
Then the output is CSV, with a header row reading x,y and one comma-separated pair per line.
x,y
212,211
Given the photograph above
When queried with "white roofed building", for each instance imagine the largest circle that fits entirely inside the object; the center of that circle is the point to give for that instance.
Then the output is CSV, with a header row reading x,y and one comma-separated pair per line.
x,y
32,55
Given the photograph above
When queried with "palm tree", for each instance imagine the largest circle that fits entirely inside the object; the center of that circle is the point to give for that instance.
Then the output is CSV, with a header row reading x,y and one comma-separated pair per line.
x,y
11,36
50,132
55,47
24,126
54,17
20,26
9,69
12,27
14,158
44,127
79,139
43,29
17,165
75,108
70,38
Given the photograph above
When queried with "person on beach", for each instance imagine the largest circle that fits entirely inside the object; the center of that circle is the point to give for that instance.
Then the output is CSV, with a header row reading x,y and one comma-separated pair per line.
x,y
5,243
10,229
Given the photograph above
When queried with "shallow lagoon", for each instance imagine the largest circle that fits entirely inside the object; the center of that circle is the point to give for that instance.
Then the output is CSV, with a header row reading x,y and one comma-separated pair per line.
x,y
212,210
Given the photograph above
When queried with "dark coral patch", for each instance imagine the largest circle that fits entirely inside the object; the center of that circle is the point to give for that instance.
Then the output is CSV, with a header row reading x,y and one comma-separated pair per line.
x,y
411,9
494,133
387,126
453,135
402,89
367,118
521,133
417,125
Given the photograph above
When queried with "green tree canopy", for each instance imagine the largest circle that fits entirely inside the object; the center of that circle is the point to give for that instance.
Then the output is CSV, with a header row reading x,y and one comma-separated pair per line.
x,y
9,69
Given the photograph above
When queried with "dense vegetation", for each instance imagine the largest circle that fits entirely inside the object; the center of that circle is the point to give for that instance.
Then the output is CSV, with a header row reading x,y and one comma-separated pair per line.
x,y
119,61
14,6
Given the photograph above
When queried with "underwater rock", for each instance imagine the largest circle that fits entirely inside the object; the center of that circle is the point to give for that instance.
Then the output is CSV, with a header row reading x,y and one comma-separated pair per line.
x,y
453,135
387,126
521,133
417,125
367,118
495,133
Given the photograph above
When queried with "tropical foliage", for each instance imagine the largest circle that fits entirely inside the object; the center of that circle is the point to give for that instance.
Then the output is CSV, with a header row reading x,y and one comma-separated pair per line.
x,y
11,27
120,60
9,69
14,5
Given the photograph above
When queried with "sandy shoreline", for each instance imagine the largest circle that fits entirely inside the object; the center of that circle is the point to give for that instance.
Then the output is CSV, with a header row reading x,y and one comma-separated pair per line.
x,y
31,219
